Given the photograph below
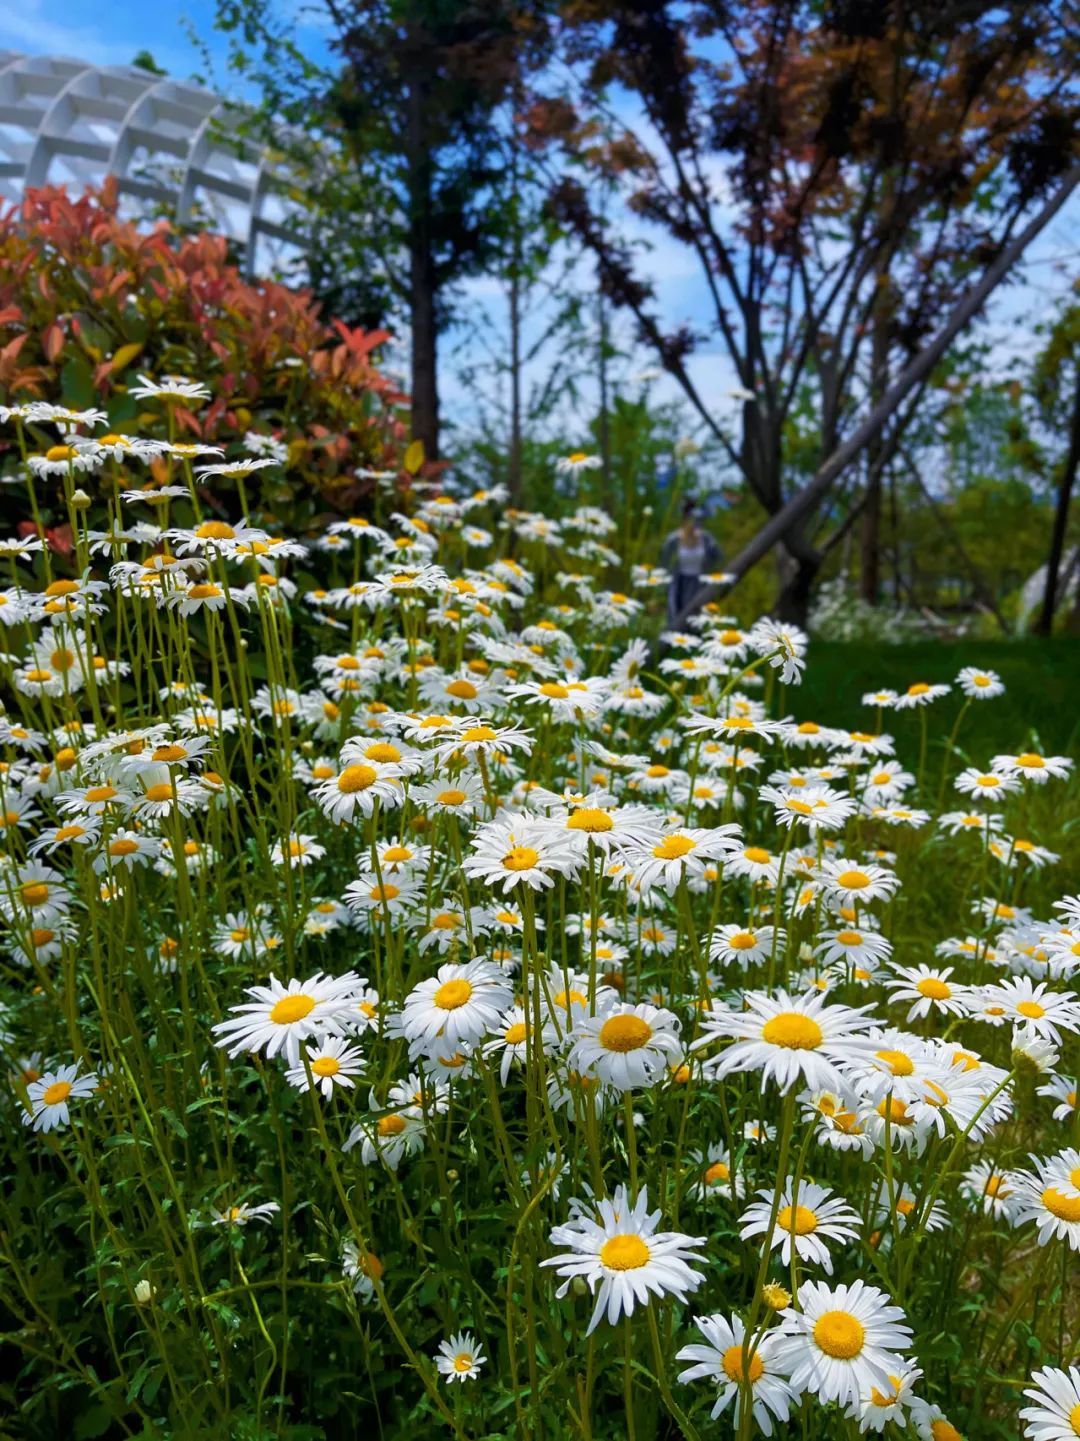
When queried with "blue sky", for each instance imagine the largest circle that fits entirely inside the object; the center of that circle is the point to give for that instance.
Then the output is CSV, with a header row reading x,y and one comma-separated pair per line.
x,y
113,33
107,35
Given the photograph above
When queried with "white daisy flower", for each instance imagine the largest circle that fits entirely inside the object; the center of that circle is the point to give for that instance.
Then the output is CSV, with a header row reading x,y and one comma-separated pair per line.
x,y
721,1361
623,1259
459,1005
1050,1196
50,1093
460,1358
785,1037
1056,1413
817,1217
362,1267
1030,766
280,1017
626,1046
929,989
333,1062
842,1341
745,946
243,1214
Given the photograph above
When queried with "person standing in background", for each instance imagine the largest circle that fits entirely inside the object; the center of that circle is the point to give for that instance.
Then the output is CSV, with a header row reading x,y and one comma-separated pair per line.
x,y
688,553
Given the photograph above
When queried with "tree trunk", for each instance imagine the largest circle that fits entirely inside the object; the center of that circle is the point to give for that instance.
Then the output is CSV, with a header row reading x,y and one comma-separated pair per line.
x,y
514,465
422,280
870,536
603,427
514,477
1045,624
797,576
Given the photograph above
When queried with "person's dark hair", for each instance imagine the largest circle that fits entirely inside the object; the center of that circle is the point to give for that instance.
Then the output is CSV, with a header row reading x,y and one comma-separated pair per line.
x,y
689,510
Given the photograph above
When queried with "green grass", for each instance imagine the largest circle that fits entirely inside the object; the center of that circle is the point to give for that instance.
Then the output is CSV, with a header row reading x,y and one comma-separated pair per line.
x,y
1041,705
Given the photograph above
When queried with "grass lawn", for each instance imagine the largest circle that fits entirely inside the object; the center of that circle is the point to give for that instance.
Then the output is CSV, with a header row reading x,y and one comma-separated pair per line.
x,y
1041,705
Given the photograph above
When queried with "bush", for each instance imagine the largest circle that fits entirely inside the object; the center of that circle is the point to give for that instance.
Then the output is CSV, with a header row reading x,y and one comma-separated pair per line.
x,y
88,300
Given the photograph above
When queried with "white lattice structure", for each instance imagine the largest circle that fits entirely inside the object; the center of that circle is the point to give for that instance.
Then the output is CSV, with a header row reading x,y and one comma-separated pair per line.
x,y
174,148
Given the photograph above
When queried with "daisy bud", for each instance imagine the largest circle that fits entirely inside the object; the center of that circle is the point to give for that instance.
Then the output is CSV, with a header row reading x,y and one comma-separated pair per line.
x,y
144,1292
80,500
775,1297
579,1286
1033,1053
451,1175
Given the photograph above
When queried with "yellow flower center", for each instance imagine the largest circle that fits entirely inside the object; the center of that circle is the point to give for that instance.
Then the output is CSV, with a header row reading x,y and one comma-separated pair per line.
x,y
566,999
897,1112
942,1430
160,792
382,752
793,1031
743,941
387,892
123,848
897,1062
839,1334
1030,761
732,1363
515,1034
356,778
624,1033
919,688
1032,1010
1065,1208
800,1222
452,798
397,853
69,833
758,856
673,848
390,1125
461,690
554,691
520,858
168,754
589,818
215,530
933,989
57,1092
478,733
853,880
716,1174
463,1361
624,1253
881,779
291,1008
35,893
326,1066
453,994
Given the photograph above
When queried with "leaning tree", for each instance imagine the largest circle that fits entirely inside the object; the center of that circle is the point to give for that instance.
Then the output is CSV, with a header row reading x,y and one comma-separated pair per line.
x,y
853,180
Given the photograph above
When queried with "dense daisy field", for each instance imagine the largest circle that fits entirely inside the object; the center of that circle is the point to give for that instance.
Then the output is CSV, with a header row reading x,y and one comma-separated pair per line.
x,y
437,1002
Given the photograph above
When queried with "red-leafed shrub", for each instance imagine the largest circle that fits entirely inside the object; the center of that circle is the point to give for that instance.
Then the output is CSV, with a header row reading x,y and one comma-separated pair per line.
x,y
88,301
